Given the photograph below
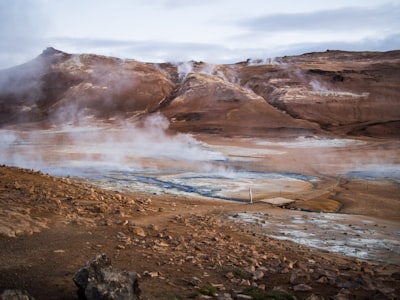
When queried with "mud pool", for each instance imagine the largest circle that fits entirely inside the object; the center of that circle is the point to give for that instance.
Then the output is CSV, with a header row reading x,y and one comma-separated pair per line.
x,y
232,185
356,236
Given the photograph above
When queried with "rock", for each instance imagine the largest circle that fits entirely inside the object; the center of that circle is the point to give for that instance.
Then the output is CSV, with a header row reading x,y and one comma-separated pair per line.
x,y
261,287
15,295
244,282
243,297
257,275
293,278
396,275
138,231
153,274
121,237
302,288
340,297
315,297
97,280
349,284
322,280
230,275
153,227
368,271
225,296
195,281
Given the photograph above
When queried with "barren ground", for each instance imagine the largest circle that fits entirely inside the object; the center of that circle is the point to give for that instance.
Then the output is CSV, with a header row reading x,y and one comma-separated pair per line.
x,y
182,244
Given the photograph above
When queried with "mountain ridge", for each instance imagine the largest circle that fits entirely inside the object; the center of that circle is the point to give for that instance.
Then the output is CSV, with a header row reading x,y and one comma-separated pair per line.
x,y
335,92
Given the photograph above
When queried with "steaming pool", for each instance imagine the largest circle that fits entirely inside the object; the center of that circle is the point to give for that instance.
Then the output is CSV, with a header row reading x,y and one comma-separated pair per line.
x,y
131,159
350,235
233,185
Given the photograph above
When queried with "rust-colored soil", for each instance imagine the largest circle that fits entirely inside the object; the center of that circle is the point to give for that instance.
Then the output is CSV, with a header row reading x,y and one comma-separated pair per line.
x,y
185,244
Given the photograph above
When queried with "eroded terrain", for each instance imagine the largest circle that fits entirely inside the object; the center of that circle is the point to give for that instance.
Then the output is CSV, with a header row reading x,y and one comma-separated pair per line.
x,y
278,178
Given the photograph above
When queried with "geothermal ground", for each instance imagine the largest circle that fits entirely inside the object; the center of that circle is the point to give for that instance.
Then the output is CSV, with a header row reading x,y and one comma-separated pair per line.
x,y
275,179
181,210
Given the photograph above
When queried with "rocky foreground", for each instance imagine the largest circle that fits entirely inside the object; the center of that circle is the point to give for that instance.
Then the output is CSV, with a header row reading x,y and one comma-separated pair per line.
x,y
180,248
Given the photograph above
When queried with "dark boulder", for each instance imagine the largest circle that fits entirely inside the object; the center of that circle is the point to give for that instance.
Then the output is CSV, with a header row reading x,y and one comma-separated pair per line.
x,y
97,280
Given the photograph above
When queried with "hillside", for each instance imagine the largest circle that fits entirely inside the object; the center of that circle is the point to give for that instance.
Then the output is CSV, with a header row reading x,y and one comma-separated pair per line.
x,y
353,93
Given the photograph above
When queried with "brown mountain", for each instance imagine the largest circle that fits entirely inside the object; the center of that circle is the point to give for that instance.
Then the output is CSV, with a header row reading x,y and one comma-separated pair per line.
x,y
334,91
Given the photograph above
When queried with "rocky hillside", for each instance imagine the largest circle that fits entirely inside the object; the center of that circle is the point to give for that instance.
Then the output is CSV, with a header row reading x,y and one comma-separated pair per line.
x,y
181,248
341,92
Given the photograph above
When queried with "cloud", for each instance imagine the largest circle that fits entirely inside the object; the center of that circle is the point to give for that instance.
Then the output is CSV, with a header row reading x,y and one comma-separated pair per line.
x,y
178,4
346,28
202,30
149,50
21,25
346,19
391,42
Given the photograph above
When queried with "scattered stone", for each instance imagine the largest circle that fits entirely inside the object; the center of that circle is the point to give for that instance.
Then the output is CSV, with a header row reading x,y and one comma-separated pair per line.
x,y
195,281
225,296
97,280
59,251
302,288
138,231
153,227
322,280
15,295
205,297
152,274
293,278
396,275
315,297
230,275
340,297
261,287
243,297
162,244
258,274
244,282
219,286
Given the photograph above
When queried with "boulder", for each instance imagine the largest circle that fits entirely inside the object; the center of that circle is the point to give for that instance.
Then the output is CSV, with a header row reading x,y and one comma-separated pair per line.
x,y
15,295
97,280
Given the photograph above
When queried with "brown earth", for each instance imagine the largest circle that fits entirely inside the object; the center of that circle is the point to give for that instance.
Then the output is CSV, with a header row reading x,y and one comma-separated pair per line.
x,y
186,246
180,246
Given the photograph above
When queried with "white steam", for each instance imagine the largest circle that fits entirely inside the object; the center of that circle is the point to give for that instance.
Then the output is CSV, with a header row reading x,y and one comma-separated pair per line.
x,y
321,90
184,68
208,69
318,86
97,145
7,138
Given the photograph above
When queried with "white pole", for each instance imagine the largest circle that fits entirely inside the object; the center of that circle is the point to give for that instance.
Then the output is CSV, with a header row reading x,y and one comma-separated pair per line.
x,y
250,195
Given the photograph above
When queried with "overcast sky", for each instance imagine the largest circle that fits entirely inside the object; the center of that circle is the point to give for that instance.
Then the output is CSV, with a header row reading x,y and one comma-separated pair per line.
x,y
217,31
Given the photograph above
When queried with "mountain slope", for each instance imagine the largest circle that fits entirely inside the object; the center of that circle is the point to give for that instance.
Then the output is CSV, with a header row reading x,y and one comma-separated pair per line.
x,y
342,92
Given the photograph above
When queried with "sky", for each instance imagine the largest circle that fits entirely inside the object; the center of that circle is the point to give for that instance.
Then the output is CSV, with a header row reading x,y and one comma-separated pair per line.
x,y
215,31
